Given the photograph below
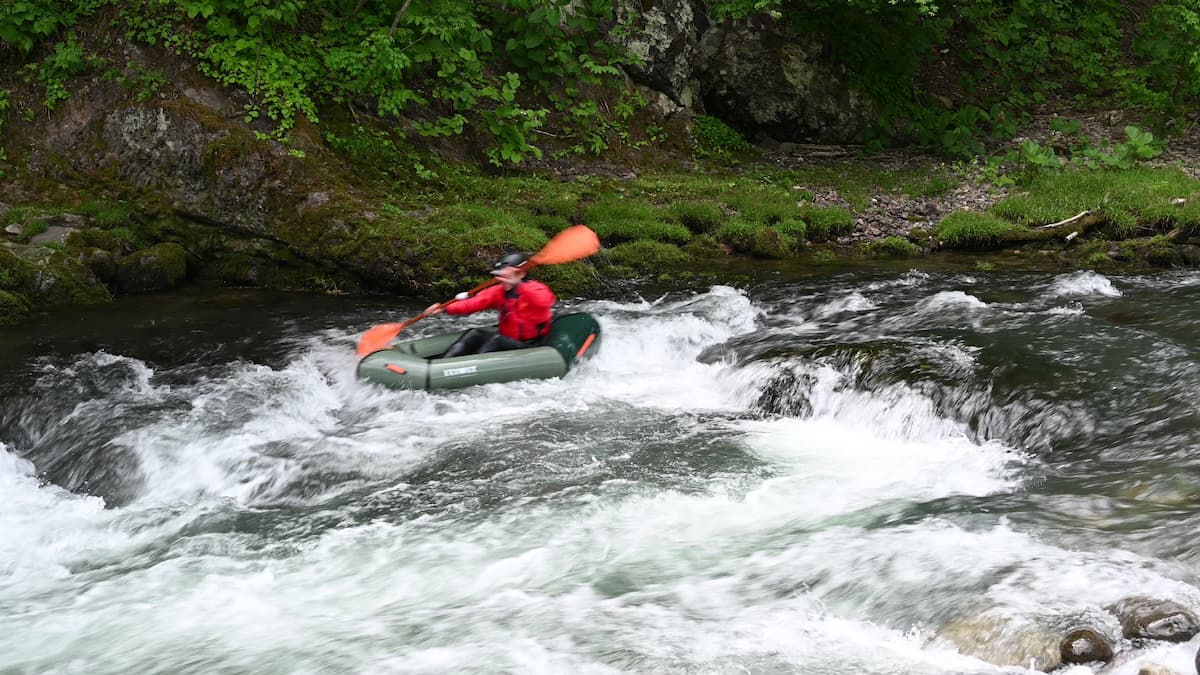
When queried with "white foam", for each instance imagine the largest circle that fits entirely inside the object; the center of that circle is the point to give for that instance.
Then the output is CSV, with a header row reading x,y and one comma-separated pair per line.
x,y
1082,283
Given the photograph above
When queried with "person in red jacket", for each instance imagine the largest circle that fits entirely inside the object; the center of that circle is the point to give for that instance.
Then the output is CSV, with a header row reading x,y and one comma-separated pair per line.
x,y
525,310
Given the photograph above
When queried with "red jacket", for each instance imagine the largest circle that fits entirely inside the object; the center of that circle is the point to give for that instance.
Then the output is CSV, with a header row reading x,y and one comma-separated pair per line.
x,y
524,311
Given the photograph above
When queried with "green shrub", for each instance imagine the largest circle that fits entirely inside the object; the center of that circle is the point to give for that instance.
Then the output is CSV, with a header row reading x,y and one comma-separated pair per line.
x,y
715,138
971,230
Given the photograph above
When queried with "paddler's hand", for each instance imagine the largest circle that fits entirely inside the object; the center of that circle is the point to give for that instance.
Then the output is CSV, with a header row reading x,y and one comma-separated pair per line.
x,y
435,308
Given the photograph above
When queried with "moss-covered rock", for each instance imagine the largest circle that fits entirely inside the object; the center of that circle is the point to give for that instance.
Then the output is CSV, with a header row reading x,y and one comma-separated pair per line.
x,y
893,247
99,261
158,268
769,242
705,246
13,308
973,230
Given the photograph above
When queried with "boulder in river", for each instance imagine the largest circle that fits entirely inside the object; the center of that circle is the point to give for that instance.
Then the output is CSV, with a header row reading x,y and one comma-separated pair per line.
x,y
1154,619
1084,645
1004,640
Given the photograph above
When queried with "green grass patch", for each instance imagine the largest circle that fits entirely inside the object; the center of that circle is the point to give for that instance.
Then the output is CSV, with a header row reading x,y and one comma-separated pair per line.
x,y
699,217
32,229
826,222
648,256
894,247
856,181
616,220
973,230
1132,202
108,214
761,240
767,207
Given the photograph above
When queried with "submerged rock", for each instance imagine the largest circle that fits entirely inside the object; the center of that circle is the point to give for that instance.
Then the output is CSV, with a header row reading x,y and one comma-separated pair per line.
x,y
1004,640
1156,669
1153,619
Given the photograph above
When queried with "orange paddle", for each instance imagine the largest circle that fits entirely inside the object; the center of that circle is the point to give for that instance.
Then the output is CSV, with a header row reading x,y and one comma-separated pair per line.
x,y
573,243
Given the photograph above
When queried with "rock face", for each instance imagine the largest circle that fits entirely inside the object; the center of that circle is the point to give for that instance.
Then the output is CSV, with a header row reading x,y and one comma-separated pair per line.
x,y
765,83
665,39
752,74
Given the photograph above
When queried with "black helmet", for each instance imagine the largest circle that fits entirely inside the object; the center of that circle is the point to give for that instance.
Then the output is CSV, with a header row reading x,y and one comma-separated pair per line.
x,y
514,259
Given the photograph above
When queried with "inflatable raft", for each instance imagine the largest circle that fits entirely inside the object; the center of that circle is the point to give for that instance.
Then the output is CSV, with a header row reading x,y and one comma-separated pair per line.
x,y
416,364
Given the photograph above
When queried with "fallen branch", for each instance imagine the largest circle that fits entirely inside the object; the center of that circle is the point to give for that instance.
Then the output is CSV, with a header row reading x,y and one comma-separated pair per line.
x,y
1077,217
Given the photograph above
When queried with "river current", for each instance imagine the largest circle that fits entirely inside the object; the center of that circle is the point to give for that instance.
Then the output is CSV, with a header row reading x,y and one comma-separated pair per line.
x,y
813,475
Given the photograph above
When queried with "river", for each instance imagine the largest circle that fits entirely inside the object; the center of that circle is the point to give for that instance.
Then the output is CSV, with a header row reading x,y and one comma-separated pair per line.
x,y
811,474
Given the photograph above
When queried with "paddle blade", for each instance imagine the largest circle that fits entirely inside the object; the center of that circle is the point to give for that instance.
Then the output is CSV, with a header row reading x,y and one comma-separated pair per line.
x,y
573,243
378,337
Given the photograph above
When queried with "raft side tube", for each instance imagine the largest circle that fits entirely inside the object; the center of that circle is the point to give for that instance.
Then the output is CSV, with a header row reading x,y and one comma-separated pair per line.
x,y
413,364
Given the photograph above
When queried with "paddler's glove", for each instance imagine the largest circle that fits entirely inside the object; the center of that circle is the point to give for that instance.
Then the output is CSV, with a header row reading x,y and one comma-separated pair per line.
x,y
462,296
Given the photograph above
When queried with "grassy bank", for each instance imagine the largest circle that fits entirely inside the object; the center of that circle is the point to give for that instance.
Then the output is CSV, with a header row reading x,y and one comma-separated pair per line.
x,y
674,226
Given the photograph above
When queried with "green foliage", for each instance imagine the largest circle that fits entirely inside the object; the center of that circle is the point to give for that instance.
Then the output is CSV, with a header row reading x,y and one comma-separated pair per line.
x,y
971,230
448,66
66,61
716,139
1169,74
144,83
26,23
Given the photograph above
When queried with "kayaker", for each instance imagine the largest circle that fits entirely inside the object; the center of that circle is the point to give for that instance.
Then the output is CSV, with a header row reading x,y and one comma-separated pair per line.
x,y
524,304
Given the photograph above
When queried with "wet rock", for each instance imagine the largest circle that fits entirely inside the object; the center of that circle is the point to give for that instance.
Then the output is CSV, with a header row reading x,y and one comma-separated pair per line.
x,y
1154,619
158,268
1085,645
13,228
1004,640
787,394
